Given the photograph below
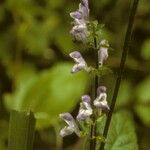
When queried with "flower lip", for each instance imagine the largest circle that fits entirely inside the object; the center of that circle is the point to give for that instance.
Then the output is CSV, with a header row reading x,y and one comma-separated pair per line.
x,y
101,89
66,131
86,98
84,2
76,15
75,54
66,116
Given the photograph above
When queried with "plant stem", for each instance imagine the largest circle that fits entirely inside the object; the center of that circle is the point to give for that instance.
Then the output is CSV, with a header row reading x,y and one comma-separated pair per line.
x,y
93,126
121,68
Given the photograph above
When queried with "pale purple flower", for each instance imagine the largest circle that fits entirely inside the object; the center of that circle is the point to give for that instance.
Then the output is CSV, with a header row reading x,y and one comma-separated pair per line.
x,y
79,62
101,100
71,125
85,110
81,17
79,32
103,51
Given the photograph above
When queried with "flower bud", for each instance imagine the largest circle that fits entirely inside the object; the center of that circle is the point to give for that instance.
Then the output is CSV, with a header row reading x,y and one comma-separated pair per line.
x,y
103,51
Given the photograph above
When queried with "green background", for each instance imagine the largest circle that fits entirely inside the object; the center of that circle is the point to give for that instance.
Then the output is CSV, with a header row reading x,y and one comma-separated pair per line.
x,y
35,69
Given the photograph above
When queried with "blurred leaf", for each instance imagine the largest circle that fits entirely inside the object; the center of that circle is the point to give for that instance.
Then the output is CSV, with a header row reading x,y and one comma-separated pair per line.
x,y
143,91
64,41
121,134
21,135
123,98
4,134
143,112
51,92
145,50
142,108
56,4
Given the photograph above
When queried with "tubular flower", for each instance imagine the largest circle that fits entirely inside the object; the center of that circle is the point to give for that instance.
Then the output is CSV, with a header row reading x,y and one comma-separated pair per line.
x,y
103,51
101,101
79,62
72,126
85,110
81,17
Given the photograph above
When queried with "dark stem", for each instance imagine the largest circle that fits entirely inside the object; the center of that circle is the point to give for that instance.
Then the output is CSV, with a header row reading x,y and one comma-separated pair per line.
x,y
93,126
121,68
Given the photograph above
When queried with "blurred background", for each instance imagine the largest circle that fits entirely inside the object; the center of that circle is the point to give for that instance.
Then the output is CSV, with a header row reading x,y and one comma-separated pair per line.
x,y
35,67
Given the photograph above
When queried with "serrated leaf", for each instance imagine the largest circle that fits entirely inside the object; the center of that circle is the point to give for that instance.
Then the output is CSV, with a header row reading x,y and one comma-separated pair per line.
x,y
121,134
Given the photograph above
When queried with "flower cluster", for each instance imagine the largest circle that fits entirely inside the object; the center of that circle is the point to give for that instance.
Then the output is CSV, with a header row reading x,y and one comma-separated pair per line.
x,y
80,63
81,17
88,108
85,112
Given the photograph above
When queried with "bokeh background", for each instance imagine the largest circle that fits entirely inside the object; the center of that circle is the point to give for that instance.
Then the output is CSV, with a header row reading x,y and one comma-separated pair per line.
x,y
35,67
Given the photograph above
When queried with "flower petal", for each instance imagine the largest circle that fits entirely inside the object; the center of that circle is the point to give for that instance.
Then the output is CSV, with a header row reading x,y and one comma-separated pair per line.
x,y
103,51
66,131
76,15
85,110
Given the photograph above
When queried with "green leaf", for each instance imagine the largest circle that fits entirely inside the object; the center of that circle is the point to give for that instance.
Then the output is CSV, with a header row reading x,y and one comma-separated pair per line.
x,y
142,91
21,131
142,108
49,93
123,98
121,134
145,50
4,134
143,112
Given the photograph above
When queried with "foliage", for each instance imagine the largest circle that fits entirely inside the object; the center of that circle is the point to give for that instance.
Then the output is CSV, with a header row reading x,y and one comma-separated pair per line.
x,y
35,37
122,133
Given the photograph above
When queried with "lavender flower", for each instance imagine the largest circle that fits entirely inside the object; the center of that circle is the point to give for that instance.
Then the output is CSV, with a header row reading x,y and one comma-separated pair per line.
x,y
72,126
103,51
101,101
81,17
85,110
80,62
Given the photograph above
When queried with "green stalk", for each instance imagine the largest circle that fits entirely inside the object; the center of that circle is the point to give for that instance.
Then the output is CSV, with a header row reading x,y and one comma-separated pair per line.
x,y
21,130
93,126
121,68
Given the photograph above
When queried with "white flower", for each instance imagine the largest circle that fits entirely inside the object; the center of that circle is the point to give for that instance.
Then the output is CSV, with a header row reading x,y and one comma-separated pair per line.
x,y
85,110
71,125
101,101
81,16
79,62
103,51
